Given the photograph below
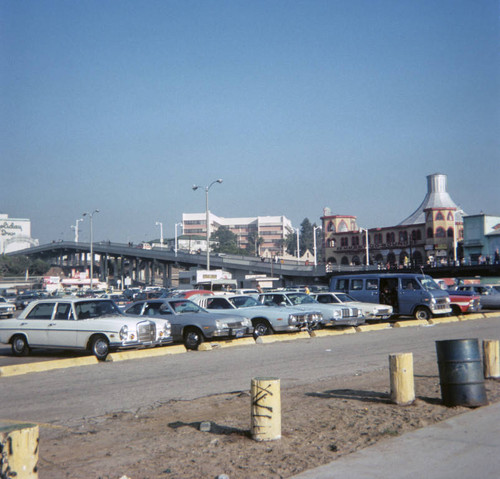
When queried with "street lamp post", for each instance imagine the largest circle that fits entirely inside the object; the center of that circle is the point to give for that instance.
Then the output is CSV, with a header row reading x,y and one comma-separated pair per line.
x,y
314,237
175,243
367,246
91,215
158,223
75,227
207,214
298,244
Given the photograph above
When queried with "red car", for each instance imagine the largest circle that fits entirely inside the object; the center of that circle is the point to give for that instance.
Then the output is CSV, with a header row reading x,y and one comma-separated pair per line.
x,y
464,302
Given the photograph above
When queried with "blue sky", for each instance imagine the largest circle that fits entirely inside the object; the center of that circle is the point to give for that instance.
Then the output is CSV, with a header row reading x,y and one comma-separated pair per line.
x,y
297,105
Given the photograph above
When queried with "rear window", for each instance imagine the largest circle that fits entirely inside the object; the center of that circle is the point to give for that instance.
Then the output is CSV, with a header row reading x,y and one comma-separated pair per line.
x,y
372,284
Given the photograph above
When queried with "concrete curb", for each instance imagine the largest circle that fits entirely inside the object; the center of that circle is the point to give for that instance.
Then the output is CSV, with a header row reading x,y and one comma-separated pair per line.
x,y
17,369
411,323
146,353
372,327
473,316
273,338
235,342
448,319
491,315
332,332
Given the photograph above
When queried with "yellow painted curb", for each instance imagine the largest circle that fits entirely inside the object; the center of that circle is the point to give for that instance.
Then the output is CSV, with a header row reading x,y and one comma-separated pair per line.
x,y
473,316
321,333
372,327
273,338
448,319
205,347
17,369
235,342
492,314
146,353
410,323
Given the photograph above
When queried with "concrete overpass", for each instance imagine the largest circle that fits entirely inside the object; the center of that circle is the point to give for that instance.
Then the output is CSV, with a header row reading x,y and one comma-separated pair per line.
x,y
145,266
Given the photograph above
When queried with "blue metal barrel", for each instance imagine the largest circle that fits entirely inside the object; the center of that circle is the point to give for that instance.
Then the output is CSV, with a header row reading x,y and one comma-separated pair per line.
x,y
461,373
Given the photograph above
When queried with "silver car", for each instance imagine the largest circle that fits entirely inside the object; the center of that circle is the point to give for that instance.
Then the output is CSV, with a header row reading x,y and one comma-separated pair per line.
x,y
192,324
333,315
7,309
265,319
371,311
96,325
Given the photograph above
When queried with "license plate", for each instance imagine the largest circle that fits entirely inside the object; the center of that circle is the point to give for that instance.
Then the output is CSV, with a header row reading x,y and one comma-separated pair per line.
x,y
239,334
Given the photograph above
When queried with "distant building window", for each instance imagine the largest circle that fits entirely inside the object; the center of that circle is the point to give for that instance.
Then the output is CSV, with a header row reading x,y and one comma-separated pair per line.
x,y
355,240
440,233
439,216
430,233
344,241
403,236
343,226
331,227
450,216
449,233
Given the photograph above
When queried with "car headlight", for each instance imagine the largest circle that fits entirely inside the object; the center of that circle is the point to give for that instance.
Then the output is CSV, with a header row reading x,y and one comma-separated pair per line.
x,y
337,313
124,333
220,324
247,322
448,300
292,319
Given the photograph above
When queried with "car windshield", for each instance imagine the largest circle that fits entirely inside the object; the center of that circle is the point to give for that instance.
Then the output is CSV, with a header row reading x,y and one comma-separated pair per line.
x,y
300,298
185,306
428,283
344,298
95,309
244,302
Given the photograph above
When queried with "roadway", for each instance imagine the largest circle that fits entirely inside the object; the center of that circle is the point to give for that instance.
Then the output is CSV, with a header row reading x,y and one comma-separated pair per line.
x,y
65,396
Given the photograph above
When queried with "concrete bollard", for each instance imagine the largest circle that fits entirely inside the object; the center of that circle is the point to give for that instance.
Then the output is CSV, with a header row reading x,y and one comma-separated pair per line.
x,y
491,353
266,409
19,451
402,382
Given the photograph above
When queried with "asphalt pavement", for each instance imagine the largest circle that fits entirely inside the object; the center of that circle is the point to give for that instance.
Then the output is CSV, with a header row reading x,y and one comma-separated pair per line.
x,y
463,447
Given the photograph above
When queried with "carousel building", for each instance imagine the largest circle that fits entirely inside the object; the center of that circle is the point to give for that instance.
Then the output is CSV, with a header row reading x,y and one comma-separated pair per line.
x,y
432,234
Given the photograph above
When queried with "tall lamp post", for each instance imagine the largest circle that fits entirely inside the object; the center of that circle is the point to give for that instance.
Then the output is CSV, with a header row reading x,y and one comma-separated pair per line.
x,y
314,237
75,227
160,224
298,244
175,243
195,187
367,246
91,215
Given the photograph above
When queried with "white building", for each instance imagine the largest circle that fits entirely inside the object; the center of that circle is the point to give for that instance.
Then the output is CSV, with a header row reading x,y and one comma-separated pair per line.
x,y
272,229
15,234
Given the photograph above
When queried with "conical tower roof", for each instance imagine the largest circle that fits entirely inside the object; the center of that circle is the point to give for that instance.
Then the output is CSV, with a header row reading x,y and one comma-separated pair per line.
x,y
437,197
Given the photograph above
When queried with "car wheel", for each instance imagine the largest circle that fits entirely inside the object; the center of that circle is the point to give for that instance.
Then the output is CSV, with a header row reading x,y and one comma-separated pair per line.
x,y
261,328
192,338
100,347
423,313
456,310
20,346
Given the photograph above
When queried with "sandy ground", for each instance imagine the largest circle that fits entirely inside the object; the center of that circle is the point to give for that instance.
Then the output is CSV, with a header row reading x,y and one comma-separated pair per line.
x,y
320,422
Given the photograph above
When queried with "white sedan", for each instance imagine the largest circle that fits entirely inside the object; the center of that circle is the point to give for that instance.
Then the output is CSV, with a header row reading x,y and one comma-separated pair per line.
x,y
7,309
371,311
96,325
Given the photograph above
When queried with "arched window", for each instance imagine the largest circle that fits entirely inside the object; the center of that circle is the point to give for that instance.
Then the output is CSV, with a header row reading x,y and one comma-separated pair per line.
x,y
331,227
439,216
390,237
449,232
440,233
355,241
356,260
331,243
430,233
450,216
344,260
343,227
403,236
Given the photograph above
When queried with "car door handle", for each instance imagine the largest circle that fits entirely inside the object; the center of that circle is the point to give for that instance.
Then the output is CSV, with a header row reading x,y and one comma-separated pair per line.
x,y
24,324
52,324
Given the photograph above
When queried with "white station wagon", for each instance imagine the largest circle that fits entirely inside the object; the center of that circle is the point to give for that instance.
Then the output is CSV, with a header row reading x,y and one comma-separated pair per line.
x,y
96,325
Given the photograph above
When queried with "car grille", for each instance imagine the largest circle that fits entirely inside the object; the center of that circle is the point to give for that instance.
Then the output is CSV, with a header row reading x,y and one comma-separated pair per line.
x,y
235,324
350,313
383,311
146,331
441,304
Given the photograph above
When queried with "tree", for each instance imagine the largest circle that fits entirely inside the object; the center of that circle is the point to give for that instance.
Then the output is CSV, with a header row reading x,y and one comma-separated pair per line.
x,y
254,243
226,241
18,265
306,239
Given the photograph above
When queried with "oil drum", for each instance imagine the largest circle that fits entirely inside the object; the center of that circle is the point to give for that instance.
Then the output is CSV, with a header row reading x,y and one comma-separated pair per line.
x,y
461,373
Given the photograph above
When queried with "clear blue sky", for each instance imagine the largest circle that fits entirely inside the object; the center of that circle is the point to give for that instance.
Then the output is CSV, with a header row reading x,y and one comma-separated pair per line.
x,y
296,104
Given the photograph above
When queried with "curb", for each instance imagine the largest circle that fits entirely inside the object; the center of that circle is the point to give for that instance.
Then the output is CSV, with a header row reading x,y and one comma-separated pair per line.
x,y
473,316
332,332
18,369
273,338
449,319
145,353
372,327
411,323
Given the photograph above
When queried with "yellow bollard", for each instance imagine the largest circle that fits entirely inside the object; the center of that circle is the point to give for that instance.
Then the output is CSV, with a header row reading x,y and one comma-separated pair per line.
x,y
19,451
266,409
402,383
491,352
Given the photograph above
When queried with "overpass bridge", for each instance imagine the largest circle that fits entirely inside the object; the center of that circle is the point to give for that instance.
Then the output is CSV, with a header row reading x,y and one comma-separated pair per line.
x,y
146,266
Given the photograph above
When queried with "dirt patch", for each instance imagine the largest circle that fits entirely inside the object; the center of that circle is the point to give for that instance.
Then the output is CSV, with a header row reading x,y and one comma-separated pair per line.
x,y
321,421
